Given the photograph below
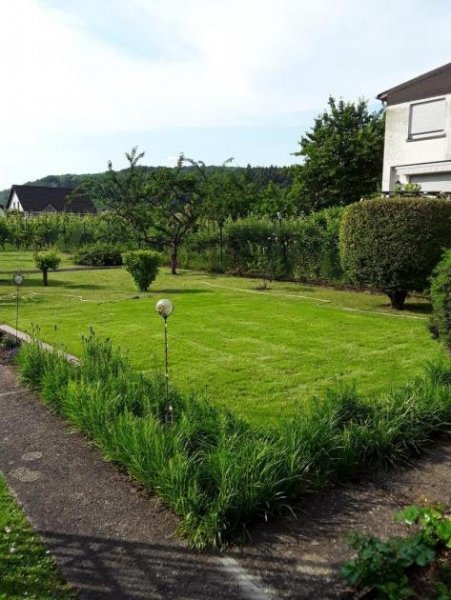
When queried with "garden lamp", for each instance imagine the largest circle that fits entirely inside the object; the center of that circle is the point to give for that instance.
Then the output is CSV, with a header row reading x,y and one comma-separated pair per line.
x,y
18,280
164,308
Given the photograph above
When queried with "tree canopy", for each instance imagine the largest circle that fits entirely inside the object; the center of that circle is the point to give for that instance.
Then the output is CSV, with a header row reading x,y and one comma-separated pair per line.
x,y
342,156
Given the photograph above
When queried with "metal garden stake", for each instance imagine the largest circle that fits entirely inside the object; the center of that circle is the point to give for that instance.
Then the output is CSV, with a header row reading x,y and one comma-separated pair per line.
x,y
18,280
164,308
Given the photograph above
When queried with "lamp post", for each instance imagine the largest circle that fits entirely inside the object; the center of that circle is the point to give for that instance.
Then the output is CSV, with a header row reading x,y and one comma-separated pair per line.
x,y
164,308
18,279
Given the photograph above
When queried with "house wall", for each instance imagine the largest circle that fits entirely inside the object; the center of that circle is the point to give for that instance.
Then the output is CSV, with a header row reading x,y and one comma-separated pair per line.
x,y
404,158
15,203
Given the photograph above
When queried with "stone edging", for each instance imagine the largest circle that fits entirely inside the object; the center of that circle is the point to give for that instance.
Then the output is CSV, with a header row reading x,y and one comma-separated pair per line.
x,y
24,337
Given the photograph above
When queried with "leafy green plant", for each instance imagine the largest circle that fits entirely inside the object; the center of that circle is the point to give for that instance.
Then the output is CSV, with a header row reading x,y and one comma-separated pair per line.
x,y
45,261
143,266
408,189
386,566
394,244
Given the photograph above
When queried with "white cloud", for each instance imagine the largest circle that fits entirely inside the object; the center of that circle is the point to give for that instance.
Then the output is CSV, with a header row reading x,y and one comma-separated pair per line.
x,y
222,63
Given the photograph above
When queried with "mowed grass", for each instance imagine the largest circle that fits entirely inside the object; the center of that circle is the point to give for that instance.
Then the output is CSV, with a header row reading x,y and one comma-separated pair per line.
x,y
259,353
26,570
16,260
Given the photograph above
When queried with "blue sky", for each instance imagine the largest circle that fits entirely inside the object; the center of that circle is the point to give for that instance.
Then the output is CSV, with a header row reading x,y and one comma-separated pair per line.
x,y
85,80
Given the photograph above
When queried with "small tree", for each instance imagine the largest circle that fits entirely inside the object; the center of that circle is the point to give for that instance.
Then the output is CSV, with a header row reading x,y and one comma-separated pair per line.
x,y
45,261
143,266
394,244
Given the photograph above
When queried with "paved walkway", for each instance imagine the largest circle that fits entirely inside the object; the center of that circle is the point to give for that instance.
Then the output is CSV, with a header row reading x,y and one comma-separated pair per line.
x,y
109,539
113,541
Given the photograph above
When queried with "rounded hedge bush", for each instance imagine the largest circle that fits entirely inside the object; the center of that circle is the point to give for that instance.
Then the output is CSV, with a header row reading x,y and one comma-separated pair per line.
x,y
393,244
143,266
440,323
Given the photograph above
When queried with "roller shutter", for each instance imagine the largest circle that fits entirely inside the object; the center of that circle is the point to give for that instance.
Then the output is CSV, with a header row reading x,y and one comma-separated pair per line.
x,y
433,182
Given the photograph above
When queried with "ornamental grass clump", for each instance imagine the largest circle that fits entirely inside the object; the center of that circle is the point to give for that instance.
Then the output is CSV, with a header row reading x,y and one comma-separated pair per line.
x,y
216,472
143,266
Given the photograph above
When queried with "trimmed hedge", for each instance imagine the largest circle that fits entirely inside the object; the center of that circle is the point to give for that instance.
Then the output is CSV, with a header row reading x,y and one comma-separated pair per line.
x,y
99,255
440,323
305,248
394,244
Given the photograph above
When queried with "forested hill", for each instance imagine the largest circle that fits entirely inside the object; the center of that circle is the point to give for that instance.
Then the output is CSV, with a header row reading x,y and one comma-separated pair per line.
x,y
281,176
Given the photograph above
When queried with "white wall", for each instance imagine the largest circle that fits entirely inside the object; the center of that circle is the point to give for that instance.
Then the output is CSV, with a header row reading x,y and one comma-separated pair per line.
x,y
15,203
403,157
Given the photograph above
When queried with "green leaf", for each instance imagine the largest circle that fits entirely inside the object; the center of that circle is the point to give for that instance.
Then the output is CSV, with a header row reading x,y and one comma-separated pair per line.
x,y
443,531
409,515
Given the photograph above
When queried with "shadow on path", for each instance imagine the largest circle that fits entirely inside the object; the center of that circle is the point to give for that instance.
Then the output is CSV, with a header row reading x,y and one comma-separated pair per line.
x,y
104,568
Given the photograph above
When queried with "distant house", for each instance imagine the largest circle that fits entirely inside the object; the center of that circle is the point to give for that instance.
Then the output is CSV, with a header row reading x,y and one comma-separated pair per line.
x,y
418,132
35,200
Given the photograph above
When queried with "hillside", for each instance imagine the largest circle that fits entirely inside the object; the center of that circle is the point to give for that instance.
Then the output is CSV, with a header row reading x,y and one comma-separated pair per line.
x,y
263,175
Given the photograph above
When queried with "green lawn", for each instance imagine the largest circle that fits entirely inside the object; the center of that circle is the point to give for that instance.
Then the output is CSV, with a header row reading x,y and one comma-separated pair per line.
x,y
26,570
260,353
16,260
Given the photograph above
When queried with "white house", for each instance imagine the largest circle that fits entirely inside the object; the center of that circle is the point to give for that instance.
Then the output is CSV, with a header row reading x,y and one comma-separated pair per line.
x,y
418,132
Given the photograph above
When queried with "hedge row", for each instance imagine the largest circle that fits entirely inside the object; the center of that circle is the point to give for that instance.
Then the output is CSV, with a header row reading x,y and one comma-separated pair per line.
x,y
218,474
65,231
305,249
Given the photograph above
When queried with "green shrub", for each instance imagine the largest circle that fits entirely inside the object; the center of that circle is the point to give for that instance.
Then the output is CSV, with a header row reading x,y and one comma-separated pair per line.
x,y
217,473
45,261
440,322
394,244
143,266
99,255
392,569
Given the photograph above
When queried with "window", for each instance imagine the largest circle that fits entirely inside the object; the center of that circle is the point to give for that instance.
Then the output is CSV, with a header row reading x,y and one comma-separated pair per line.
x,y
427,119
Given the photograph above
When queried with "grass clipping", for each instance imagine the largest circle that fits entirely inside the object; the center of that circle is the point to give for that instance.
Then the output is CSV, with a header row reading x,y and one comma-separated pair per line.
x,y
214,471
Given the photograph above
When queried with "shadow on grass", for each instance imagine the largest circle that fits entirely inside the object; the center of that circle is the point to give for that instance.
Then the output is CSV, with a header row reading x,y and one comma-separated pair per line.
x,y
181,291
420,308
70,285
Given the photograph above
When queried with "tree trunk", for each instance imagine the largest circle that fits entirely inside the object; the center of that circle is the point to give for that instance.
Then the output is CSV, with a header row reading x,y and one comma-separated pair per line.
x,y
174,259
45,280
397,299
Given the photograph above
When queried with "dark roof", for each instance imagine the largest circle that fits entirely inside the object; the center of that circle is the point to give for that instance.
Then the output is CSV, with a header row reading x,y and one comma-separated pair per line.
x,y
34,198
432,83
